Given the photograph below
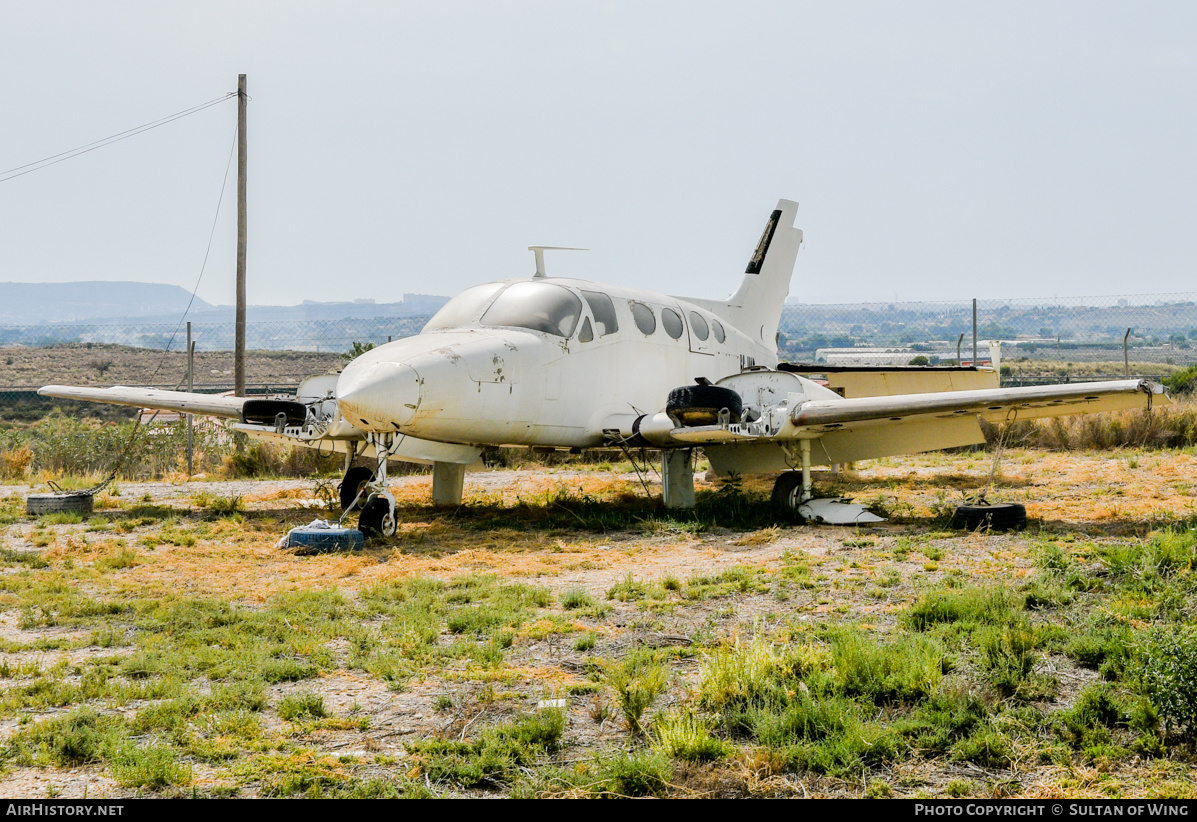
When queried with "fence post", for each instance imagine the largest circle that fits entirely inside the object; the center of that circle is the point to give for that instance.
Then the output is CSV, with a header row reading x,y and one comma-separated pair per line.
x,y
974,332
1126,354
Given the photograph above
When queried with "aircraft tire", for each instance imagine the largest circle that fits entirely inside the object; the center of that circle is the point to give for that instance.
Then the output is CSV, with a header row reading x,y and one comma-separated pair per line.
x,y
375,520
38,504
783,489
693,405
311,541
786,489
351,485
1002,516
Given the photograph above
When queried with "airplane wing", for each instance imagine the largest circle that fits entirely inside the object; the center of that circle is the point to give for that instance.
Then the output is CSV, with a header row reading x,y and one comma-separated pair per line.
x,y
182,401
870,427
992,404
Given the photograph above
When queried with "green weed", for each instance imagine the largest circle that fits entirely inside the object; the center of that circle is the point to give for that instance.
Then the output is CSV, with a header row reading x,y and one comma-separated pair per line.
x,y
637,681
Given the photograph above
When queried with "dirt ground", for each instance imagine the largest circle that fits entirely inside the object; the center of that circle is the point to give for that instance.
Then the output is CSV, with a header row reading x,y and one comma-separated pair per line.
x,y
1097,497
103,364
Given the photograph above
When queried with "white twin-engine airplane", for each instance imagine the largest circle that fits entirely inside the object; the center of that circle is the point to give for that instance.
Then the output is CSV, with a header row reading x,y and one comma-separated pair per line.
x,y
572,364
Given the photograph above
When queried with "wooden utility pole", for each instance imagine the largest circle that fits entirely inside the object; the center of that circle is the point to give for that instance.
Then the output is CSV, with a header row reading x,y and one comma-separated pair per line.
x,y
239,346
190,389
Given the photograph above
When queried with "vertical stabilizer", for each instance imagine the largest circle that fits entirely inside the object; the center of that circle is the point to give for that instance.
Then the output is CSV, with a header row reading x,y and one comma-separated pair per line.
x,y
756,306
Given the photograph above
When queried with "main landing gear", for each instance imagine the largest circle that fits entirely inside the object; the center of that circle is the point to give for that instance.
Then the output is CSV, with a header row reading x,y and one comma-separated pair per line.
x,y
793,492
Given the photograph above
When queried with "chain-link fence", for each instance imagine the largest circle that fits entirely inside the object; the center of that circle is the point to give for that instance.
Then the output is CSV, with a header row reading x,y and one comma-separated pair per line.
x,y
1041,340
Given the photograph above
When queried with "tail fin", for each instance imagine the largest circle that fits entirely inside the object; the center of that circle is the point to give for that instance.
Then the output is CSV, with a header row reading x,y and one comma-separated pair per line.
x,y
756,306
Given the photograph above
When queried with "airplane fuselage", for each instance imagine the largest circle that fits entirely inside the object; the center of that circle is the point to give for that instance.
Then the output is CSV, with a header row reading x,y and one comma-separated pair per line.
x,y
541,362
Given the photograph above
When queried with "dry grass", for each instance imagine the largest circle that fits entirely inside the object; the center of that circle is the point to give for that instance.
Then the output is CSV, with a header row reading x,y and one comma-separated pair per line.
x,y
523,527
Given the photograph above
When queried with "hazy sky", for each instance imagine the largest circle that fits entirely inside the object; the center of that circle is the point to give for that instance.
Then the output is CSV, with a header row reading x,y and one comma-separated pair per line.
x,y
939,150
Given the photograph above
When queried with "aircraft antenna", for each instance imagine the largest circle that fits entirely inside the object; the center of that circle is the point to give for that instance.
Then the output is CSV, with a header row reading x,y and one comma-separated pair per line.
x,y
539,251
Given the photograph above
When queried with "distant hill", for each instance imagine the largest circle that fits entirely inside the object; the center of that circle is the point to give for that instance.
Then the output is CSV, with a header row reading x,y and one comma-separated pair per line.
x,y
35,303
124,303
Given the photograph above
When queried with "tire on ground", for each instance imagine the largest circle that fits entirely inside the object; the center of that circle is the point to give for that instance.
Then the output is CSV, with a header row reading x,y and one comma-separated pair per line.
x,y
352,484
1002,516
38,504
310,541
693,405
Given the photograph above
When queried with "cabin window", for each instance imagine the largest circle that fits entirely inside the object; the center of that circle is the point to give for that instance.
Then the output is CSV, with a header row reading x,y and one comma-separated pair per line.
x,y
672,321
463,308
719,335
537,307
646,321
699,325
603,310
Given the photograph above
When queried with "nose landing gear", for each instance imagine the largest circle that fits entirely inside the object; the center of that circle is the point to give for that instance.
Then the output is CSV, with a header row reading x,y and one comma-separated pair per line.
x,y
367,490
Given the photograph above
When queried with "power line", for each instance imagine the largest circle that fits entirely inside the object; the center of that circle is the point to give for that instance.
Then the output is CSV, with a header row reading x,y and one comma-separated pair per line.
x,y
204,265
45,162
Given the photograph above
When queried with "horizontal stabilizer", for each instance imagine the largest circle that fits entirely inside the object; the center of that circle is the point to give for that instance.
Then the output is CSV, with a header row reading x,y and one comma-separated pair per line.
x,y
212,405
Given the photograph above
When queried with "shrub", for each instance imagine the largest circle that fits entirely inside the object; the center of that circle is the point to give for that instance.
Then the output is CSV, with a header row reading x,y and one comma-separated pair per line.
x,y
968,606
1008,653
15,464
739,675
78,738
302,705
682,735
637,681
577,598
153,767
902,670
1086,724
1170,677
636,774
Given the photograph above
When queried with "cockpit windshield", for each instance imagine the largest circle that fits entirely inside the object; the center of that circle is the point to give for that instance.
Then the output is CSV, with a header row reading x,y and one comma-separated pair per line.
x,y
536,306
463,308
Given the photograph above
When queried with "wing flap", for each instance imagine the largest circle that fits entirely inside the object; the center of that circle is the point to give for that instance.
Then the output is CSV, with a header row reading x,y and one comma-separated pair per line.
x,y
211,405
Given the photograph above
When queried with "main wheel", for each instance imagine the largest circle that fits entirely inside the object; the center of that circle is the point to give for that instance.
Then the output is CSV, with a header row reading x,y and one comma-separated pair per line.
x,y
786,489
1002,516
376,519
693,405
352,484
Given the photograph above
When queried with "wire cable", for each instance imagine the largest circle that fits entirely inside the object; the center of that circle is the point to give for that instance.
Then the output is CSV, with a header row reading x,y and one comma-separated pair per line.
x,y
46,162
211,235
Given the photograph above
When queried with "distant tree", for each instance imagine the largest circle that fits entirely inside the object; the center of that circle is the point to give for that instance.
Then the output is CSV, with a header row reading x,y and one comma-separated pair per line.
x,y
357,350
919,360
1183,382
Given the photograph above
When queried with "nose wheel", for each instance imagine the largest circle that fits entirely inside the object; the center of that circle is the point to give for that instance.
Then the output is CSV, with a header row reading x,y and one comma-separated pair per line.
x,y
378,518
352,488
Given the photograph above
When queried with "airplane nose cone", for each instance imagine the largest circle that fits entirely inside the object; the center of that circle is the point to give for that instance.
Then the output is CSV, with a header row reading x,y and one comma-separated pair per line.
x,y
378,396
